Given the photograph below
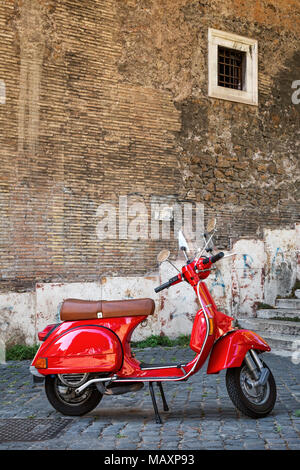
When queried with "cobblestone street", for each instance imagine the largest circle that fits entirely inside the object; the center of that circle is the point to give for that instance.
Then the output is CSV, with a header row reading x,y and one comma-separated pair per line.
x,y
201,414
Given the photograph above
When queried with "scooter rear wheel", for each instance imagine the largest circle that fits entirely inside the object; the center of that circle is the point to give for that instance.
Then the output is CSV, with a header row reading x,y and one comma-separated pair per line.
x,y
64,399
256,402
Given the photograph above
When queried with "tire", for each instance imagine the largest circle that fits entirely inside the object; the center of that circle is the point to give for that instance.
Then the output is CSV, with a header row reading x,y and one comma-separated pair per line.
x,y
256,402
64,400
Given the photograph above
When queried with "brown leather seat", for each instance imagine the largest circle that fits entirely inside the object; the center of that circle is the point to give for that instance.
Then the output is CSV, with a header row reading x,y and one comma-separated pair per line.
x,y
75,309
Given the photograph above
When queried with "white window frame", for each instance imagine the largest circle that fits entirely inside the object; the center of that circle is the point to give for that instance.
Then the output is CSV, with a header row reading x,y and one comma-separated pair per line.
x,y
249,94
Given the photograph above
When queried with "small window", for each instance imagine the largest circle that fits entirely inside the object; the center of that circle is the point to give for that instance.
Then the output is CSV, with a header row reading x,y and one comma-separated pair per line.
x,y
232,67
231,64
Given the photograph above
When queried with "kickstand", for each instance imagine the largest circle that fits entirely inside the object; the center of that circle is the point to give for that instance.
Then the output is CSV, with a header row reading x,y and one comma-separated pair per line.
x,y
157,417
166,408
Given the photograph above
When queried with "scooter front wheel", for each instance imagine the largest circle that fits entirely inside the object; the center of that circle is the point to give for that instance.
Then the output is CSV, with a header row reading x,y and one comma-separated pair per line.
x,y
64,399
254,401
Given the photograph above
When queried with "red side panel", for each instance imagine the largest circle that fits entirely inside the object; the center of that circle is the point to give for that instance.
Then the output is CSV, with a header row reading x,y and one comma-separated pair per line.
x,y
230,350
83,348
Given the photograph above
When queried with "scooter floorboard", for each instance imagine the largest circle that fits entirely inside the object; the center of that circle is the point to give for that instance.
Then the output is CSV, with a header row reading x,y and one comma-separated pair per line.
x,y
146,366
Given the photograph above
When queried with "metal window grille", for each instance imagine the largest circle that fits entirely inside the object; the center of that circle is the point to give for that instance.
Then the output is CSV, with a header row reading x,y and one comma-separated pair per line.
x,y
231,68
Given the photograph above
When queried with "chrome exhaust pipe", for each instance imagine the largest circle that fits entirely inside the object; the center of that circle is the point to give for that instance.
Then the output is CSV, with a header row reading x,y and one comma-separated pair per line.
x,y
94,381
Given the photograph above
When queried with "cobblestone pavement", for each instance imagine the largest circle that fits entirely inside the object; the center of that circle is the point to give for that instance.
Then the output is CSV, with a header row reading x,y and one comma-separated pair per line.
x,y
201,414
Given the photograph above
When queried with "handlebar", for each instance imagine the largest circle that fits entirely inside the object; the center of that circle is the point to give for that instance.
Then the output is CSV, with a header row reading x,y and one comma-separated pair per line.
x,y
214,258
167,284
180,277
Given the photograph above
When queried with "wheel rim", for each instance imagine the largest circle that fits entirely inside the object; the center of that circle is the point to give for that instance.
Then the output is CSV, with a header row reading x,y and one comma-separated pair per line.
x,y
67,394
257,395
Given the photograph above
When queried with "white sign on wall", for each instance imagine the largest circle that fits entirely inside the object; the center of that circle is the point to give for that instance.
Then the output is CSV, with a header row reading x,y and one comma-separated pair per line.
x,y
2,92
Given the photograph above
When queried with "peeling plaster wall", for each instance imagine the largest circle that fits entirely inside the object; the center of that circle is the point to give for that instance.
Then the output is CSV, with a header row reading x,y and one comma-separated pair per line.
x,y
261,270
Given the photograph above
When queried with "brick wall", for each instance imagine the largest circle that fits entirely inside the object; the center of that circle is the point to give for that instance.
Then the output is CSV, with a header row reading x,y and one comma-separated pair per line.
x,y
108,98
74,135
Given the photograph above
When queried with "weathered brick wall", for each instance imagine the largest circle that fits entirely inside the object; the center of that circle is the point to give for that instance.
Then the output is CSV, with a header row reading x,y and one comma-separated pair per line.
x,y
74,135
106,98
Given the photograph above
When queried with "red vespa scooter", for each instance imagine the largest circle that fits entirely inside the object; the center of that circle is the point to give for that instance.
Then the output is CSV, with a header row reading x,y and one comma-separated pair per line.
x,y
88,354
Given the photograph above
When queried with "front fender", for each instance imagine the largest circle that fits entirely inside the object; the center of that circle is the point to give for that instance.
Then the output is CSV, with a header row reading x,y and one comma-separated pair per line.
x,y
230,349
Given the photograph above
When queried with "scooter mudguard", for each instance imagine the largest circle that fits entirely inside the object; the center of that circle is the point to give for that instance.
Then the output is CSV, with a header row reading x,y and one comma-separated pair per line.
x,y
230,349
80,348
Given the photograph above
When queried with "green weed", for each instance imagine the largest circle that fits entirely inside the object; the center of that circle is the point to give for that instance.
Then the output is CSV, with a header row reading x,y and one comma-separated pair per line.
x,y
21,352
156,340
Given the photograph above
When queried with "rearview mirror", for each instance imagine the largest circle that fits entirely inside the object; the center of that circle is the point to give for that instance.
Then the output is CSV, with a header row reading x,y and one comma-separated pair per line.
x,y
163,255
211,224
182,242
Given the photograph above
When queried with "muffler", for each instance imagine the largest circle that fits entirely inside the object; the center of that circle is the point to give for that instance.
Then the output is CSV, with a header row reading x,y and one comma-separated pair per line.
x,y
118,388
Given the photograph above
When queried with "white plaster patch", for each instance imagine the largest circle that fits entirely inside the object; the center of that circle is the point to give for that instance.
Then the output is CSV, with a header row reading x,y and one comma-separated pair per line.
x,y
50,295
298,250
122,288
281,263
248,275
178,304
219,283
